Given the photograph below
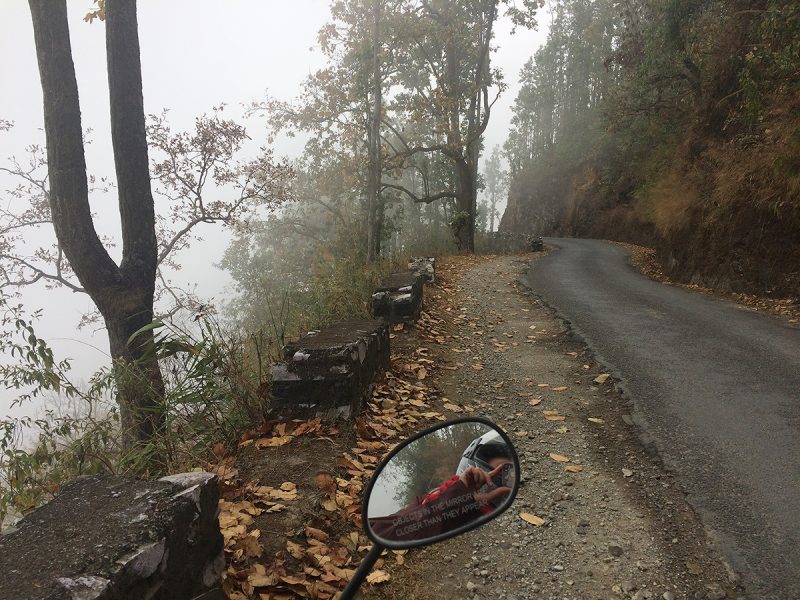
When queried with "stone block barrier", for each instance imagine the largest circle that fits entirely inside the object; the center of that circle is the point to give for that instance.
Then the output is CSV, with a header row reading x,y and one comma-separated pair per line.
x,y
424,266
398,299
118,538
110,537
328,372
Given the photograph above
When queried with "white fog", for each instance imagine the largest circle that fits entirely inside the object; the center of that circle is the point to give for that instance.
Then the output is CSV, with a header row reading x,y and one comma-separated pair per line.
x,y
195,54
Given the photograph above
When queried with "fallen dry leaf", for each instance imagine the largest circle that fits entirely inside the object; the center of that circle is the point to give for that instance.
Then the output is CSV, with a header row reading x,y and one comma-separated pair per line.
x,y
597,420
601,378
225,472
535,402
312,426
558,457
694,569
348,463
325,482
317,534
574,468
378,577
295,549
219,450
561,388
257,580
279,494
273,441
344,500
555,417
532,519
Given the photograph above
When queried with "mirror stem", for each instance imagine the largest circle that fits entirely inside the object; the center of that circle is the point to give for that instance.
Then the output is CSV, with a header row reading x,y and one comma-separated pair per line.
x,y
361,573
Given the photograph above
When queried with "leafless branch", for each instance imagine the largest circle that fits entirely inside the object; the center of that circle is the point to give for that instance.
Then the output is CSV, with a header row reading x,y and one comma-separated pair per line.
x,y
424,199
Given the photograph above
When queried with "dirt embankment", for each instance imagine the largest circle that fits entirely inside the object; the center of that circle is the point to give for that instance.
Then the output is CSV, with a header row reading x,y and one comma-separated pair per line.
x,y
740,249
722,210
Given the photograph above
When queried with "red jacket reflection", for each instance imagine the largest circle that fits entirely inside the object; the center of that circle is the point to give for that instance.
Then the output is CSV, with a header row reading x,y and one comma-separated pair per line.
x,y
449,507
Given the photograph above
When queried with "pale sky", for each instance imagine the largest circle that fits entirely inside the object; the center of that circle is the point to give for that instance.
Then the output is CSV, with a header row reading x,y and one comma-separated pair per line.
x,y
195,54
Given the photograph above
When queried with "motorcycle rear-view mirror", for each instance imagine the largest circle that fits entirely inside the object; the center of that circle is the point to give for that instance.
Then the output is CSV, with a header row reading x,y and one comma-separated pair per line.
x,y
441,483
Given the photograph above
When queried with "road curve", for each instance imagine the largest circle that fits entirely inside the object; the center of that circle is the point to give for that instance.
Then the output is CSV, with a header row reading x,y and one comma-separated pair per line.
x,y
716,387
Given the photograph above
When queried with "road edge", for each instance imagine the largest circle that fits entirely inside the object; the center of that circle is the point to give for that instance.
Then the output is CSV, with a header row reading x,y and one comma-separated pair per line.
x,y
637,422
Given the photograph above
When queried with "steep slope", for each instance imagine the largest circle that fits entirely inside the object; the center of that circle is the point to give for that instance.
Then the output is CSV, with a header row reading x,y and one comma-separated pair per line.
x,y
689,141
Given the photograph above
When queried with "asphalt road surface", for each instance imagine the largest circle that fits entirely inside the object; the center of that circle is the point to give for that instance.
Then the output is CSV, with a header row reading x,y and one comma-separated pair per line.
x,y
715,386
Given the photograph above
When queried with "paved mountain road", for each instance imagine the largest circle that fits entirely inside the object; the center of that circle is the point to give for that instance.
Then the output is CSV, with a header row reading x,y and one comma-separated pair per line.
x,y
716,387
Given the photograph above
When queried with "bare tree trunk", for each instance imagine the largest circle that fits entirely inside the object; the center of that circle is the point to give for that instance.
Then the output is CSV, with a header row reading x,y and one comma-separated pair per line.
x,y
375,209
492,211
463,222
476,121
472,157
123,294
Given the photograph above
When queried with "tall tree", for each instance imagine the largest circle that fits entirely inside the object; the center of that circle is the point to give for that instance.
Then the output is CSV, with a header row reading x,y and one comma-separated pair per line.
x,y
451,88
558,110
408,88
495,183
123,293
375,208
342,104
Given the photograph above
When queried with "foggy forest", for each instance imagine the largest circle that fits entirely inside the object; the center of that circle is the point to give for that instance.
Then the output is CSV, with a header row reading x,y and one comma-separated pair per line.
x,y
269,242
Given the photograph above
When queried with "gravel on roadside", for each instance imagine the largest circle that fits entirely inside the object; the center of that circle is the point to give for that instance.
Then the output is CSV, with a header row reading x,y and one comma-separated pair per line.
x,y
616,525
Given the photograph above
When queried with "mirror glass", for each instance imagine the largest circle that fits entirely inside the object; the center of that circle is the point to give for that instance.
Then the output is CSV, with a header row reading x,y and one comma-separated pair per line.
x,y
449,480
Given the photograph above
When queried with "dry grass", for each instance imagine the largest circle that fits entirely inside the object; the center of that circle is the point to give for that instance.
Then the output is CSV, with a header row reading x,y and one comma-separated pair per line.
x,y
582,195
764,173
670,203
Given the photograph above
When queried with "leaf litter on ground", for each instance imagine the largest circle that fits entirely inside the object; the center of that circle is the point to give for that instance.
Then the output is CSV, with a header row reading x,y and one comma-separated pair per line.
x,y
320,556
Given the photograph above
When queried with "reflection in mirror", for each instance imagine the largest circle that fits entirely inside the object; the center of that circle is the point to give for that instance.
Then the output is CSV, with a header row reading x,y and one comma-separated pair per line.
x,y
443,481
